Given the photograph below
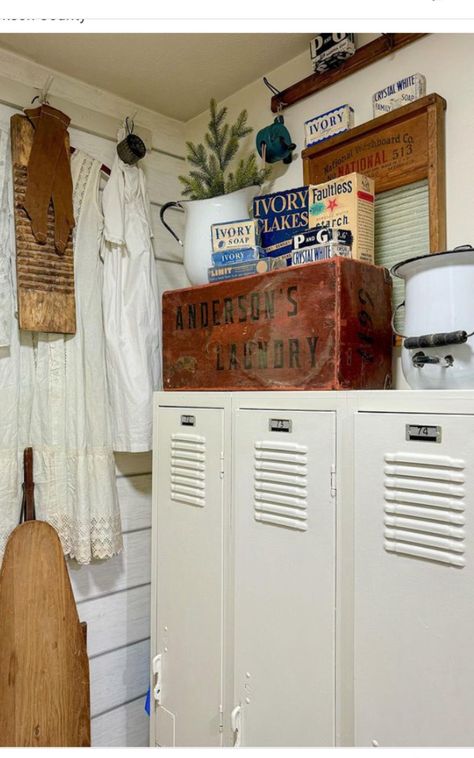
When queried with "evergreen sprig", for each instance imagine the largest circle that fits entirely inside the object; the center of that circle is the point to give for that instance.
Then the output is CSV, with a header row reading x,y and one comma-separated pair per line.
x,y
209,175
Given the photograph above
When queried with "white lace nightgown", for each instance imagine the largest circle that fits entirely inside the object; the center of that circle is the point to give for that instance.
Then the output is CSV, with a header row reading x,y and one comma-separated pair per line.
x,y
64,406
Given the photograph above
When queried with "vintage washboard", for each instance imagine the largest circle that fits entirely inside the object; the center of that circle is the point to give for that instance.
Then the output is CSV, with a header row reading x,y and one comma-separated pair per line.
x,y
45,279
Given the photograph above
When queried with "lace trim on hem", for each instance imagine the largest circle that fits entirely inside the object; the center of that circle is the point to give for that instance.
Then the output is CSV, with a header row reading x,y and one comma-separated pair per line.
x,y
98,540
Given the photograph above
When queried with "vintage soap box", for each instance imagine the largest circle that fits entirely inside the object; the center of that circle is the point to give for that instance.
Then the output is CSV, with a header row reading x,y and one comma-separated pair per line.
x,y
319,253
399,93
329,50
322,235
328,124
236,234
346,203
231,257
234,271
283,214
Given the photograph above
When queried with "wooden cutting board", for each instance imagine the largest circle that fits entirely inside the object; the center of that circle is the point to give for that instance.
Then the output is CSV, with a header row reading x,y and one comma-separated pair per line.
x,y
44,669
45,279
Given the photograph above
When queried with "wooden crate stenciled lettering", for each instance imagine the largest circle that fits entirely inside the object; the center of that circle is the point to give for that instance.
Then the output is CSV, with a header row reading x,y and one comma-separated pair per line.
x,y
323,325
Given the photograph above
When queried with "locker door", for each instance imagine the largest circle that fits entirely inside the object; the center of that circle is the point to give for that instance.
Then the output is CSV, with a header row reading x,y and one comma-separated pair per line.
x,y
284,513
414,579
190,575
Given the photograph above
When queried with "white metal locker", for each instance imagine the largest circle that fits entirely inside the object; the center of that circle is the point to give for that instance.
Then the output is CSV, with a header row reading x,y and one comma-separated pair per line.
x,y
414,579
189,581
284,511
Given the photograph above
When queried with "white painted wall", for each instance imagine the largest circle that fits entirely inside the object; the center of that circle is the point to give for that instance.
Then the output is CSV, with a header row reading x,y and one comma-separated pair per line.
x,y
114,596
445,60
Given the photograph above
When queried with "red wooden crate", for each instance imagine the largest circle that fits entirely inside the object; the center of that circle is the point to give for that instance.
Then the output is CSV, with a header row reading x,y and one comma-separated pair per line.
x,y
317,326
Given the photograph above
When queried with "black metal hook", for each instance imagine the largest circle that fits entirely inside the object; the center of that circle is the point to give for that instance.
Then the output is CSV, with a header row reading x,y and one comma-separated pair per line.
x,y
389,39
275,92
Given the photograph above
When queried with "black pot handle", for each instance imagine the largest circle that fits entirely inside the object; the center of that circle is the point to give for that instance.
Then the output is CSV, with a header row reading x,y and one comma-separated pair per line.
x,y
440,339
163,209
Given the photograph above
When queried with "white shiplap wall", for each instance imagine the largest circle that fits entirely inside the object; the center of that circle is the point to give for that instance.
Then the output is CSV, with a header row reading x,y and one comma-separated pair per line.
x,y
114,596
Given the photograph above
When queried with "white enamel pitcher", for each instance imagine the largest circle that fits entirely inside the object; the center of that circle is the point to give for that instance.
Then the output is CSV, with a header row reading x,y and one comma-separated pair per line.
x,y
200,214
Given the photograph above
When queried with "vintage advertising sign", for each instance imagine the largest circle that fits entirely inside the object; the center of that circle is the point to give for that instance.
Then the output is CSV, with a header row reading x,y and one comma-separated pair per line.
x,y
323,325
328,124
398,93
329,50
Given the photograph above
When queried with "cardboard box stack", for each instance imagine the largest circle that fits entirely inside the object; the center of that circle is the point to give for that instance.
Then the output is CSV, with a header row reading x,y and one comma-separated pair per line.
x,y
301,225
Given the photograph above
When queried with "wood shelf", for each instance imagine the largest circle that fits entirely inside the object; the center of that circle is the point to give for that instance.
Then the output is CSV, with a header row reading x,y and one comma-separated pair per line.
x,y
364,56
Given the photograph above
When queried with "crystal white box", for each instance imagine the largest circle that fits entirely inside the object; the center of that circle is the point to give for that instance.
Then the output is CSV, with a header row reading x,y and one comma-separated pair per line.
x,y
399,93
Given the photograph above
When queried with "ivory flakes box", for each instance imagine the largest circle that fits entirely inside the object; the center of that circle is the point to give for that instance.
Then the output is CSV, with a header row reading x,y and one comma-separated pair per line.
x,y
346,203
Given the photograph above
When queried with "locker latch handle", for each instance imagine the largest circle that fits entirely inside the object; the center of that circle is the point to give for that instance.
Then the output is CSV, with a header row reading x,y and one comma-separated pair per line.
x,y
236,725
157,673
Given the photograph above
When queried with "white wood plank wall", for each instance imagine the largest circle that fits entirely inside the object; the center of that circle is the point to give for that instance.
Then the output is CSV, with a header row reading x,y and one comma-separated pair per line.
x,y
114,596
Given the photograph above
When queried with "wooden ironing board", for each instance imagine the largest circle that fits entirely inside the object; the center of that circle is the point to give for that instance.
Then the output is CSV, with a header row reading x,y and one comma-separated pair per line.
x,y
44,669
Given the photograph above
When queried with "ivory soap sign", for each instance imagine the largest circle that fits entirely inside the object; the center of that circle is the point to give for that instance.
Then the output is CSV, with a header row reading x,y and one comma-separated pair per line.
x,y
328,124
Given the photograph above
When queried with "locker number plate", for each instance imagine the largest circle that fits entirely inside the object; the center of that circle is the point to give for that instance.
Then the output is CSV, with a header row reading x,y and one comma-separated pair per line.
x,y
419,433
188,420
280,425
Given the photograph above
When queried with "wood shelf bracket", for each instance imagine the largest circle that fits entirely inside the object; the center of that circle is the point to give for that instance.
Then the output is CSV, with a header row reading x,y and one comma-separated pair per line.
x,y
374,51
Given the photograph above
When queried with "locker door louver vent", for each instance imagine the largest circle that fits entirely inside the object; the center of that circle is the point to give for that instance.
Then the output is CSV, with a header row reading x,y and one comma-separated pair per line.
x,y
188,469
280,484
424,507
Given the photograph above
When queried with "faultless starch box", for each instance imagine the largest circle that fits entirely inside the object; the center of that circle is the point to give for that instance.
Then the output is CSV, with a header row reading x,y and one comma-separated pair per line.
x,y
346,203
318,326
328,124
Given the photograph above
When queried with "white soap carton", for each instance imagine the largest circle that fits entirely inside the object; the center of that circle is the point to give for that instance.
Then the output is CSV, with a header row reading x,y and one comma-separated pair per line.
x,y
236,235
329,50
328,124
399,93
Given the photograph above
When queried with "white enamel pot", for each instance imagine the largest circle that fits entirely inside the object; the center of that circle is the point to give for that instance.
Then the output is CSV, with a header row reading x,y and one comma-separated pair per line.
x,y
438,341
199,215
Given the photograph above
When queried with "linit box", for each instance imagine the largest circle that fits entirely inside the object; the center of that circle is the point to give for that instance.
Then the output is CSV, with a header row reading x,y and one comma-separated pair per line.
x,y
328,124
346,203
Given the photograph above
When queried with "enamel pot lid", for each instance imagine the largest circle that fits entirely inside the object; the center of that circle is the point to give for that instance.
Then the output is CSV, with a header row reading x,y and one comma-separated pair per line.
x,y
462,255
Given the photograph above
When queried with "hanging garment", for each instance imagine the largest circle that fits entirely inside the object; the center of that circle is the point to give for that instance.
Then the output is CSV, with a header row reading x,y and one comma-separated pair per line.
x,y
131,308
58,383
6,244
49,176
16,363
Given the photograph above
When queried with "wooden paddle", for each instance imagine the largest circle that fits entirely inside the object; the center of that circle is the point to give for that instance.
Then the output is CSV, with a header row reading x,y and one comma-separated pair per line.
x,y
44,669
